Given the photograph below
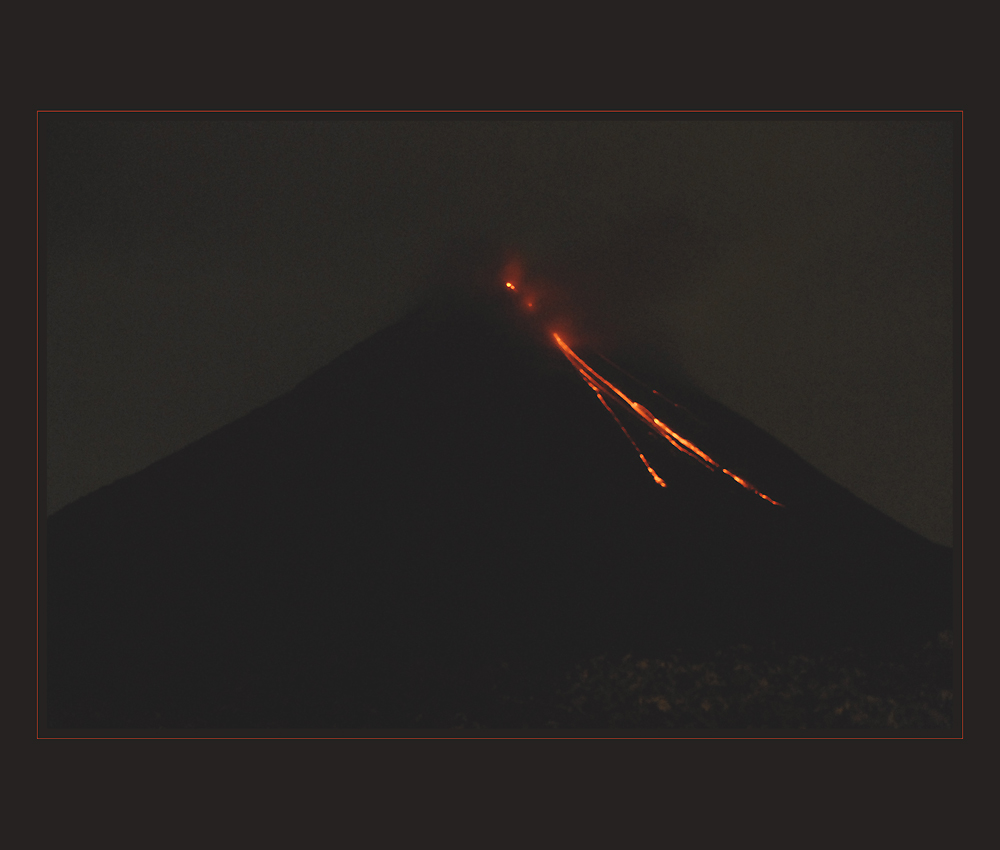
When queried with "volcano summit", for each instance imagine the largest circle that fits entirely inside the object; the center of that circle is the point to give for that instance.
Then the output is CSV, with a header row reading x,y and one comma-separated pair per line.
x,y
452,496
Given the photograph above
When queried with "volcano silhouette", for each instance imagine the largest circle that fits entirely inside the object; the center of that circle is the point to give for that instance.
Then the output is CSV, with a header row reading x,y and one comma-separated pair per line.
x,y
445,496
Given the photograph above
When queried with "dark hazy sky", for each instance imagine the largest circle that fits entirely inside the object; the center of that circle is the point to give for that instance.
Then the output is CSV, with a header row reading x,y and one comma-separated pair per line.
x,y
798,271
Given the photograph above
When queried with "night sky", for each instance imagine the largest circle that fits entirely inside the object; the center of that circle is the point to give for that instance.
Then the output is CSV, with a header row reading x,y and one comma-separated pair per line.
x,y
798,271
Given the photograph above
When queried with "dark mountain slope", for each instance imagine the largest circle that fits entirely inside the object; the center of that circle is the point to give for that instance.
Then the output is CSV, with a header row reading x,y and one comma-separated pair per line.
x,y
447,495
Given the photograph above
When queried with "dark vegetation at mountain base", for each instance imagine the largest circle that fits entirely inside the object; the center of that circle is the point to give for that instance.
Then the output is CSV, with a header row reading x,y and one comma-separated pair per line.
x,y
740,688
737,688
731,689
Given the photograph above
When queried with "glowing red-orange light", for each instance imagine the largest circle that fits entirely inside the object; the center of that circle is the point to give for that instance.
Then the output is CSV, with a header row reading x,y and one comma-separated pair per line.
x,y
598,382
511,286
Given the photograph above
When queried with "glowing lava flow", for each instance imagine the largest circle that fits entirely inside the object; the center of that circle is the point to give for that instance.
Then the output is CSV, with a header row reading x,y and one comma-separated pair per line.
x,y
598,383
607,407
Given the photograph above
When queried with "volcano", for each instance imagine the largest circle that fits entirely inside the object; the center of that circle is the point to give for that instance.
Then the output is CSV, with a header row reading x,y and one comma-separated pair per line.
x,y
451,496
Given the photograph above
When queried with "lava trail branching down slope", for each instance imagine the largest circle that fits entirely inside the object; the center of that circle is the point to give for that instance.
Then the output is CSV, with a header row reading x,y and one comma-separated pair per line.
x,y
597,382
605,389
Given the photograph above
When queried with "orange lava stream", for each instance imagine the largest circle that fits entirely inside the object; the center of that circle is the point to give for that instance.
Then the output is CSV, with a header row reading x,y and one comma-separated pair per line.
x,y
654,392
614,415
597,382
